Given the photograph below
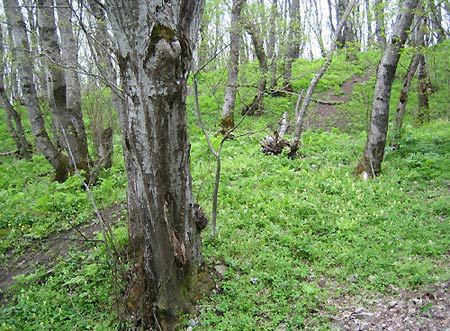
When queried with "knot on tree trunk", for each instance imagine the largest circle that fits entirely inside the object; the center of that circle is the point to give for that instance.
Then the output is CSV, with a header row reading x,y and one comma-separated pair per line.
x,y
201,221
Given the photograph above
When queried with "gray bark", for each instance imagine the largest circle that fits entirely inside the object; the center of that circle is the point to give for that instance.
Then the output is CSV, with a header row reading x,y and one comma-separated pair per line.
x,y
271,45
66,114
14,82
257,106
52,154
374,150
227,119
403,100
69,57
155,44
293,43
369,23
14,120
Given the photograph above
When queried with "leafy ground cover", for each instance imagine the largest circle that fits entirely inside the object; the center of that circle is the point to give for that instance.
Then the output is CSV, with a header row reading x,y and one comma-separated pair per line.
x,y
292,233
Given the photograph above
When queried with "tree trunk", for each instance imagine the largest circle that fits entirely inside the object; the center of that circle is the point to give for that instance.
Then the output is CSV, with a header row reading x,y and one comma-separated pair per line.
x,y
103,128
271,49
257,106
347,34
380,31
24,61
404,93
69,56
155,44
369,23
227,119
376,142
66,114
14,121
293,43
423,113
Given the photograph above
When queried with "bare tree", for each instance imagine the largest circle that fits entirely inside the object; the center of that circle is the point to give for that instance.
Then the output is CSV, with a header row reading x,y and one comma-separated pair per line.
x,y
69,57
257,106
376,141
24,61
66,106
155,45
271,45
227,118
293,48
14,120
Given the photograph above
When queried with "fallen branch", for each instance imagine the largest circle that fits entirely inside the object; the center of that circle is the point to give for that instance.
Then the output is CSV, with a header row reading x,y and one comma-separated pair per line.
x,y
9,153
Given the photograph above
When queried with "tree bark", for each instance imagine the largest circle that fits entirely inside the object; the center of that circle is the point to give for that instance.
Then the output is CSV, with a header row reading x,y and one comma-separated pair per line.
x,y
155,45
271,49
403,100
369,23
52,154
14,121
293,43
64,107
374,150
69,56
227,119
347,34
257,106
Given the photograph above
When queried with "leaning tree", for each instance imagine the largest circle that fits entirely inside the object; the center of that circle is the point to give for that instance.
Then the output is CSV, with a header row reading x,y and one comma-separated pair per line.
x,y
376,139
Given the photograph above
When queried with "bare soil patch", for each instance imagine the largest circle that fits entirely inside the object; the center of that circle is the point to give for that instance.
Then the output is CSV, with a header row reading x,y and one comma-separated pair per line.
x,y
49,249
327,116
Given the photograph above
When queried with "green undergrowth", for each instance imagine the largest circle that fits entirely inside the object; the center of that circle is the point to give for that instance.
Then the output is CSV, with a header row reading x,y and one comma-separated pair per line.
x,y
291,233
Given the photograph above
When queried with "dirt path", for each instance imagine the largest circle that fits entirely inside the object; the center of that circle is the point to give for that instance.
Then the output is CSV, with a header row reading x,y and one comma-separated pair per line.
x,y
425,309
51,248
327,116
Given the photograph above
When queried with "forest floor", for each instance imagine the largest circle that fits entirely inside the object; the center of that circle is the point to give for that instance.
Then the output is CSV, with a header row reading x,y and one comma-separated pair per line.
x,y
43,253
301,244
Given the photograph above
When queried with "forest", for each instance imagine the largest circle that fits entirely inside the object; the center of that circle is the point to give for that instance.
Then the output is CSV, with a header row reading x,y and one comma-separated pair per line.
x,y
224,165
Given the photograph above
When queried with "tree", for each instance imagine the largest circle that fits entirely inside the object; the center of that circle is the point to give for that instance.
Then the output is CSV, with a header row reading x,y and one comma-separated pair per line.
x,y
257,106
347,34
374,150
14,120
24,61
65,91
293,43
155,45
227,119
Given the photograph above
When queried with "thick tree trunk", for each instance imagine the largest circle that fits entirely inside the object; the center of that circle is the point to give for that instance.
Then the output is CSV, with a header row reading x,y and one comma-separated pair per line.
x,y
155,43
257,106
71,135
14,121
69,56
380,30
293,43
403,100
227,119
374,151
24,61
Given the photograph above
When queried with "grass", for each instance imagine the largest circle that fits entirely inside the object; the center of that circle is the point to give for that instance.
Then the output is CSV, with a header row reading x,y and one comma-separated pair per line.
x,y
292,234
